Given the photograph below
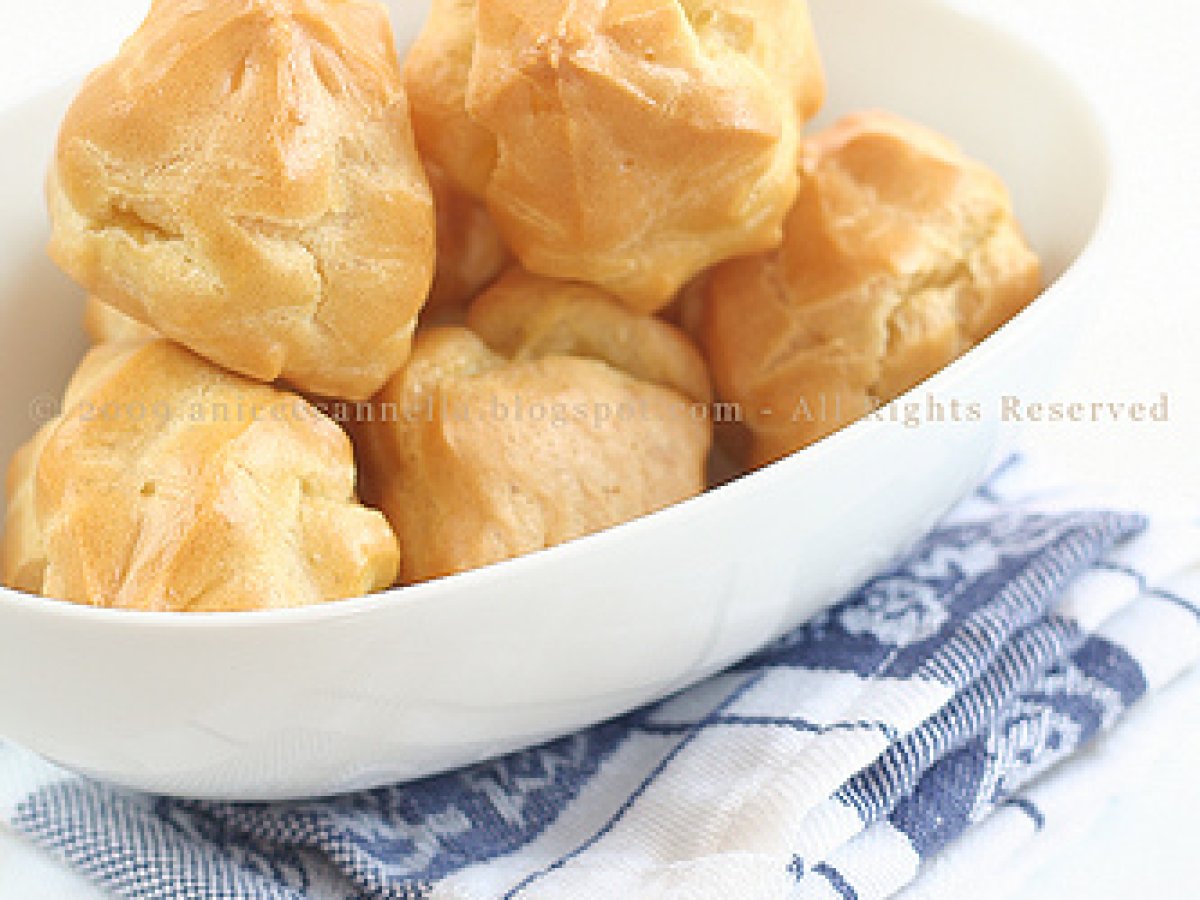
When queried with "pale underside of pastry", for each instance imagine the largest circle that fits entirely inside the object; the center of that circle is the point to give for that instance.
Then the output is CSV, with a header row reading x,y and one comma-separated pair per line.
x,y
629,144
900,254
556,414
242,177
171,485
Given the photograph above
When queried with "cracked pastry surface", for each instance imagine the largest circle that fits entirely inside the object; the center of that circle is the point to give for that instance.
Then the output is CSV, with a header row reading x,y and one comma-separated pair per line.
x,y
556,413
899,255
625,143
171,485
242,178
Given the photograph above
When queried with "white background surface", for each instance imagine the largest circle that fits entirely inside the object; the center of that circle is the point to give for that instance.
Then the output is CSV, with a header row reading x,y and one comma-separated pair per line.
x,y
1139,63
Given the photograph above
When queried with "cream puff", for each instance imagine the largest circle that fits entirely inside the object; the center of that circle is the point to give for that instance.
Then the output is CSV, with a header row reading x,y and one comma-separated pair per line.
x,y
242,178
628,145
900,253
168,484
556,413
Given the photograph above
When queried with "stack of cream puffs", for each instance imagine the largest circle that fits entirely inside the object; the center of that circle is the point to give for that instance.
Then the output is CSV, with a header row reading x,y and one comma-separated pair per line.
x,y
477,251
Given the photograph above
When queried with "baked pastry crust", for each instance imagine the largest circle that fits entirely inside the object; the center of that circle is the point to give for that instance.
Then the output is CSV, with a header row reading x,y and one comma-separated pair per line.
x,y
104,324
525,316
629,144
243,178
23,551
470,252
171,485
542,425
900,254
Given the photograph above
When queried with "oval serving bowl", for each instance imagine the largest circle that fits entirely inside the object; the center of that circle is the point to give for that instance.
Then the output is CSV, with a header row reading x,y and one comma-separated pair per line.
x,y
257,706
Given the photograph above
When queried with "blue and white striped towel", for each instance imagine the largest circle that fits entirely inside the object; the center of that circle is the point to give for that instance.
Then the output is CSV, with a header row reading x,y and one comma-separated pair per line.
x,y
834,763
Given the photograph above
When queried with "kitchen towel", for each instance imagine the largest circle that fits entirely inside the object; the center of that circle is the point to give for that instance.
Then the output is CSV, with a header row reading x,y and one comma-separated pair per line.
x,y
881,740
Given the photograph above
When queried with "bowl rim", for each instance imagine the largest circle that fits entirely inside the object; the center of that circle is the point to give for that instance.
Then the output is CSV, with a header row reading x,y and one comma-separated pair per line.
x,y
445,589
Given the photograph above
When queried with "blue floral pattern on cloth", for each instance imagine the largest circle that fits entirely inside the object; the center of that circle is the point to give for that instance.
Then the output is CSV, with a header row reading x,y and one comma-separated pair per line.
x,y
992,681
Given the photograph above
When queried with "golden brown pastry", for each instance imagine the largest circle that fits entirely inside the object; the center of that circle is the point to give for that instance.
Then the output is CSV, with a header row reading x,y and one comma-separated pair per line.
x,y
525,316
625,143
23,552
104,323
899,255
243,178
171,485
470,251
558,413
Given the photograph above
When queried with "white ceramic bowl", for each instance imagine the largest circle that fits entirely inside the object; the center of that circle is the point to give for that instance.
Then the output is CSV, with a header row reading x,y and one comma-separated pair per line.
x,y
386,688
